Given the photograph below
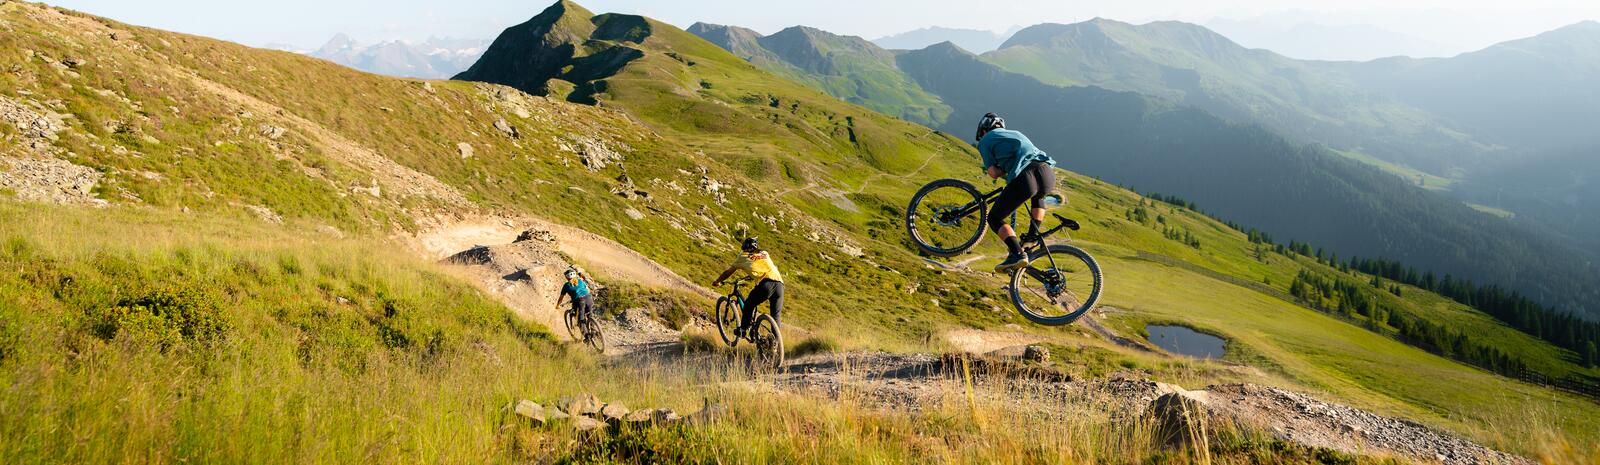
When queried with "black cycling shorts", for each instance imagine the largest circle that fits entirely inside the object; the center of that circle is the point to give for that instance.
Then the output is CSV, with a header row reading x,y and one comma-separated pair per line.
x,y
767,291
1031,185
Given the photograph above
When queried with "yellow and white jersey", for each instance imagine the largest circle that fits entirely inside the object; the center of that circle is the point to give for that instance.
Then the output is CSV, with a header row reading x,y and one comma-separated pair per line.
x,y
759,266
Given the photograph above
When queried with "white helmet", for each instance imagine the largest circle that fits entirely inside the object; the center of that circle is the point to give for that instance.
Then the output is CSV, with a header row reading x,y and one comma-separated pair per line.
x,y
989,122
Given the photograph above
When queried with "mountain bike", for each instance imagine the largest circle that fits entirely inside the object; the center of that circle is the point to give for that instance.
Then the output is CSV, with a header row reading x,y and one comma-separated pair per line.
x,y
1060,284
585,329
765,332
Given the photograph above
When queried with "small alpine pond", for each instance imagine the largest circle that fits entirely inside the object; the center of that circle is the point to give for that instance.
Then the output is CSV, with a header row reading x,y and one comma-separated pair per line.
x,y
1186,341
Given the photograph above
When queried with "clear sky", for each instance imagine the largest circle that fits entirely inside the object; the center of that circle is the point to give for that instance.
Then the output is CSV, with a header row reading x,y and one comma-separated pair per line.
x,y
1465,24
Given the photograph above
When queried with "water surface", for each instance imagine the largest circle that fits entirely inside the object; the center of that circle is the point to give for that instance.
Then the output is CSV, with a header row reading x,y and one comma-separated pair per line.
x,y
1182,340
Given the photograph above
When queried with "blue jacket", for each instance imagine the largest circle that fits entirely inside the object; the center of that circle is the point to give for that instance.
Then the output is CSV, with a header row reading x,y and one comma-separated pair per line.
x,y
1011,151
576,292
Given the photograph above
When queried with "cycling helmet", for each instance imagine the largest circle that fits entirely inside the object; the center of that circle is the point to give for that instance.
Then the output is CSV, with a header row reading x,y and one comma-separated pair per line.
x,y
989,122
750,245
571,273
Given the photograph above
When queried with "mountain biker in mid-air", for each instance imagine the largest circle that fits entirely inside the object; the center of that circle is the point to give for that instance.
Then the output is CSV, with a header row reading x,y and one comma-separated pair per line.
x,y
1029,178
577,289
757,264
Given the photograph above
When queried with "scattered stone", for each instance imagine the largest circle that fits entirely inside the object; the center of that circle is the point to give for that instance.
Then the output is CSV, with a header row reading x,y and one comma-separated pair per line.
x,y
595,154
614,412
585,424
536,235
74,62
465,149
506,128
1036,353
532,411
266,214
272,132
634,214
582,404
49,180
911,287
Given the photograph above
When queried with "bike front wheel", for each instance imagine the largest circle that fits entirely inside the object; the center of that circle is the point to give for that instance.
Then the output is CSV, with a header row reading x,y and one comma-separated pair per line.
x,y
1060,284
935,221
727,316
573,329
594,338
768,339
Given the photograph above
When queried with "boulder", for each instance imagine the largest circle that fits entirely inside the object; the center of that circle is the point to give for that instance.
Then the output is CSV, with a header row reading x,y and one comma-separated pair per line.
x,y
585,424
532,411
536,235
464,149
1036,353
1180,417
664,416
272,132
579,405
506,128
614,412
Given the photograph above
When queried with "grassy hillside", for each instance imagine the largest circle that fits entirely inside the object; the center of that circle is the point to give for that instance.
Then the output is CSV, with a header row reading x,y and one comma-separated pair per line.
x,y
245,283
849,68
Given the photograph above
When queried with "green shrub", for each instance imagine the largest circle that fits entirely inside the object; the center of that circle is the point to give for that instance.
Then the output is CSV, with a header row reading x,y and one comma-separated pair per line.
x,y
814,345
164,317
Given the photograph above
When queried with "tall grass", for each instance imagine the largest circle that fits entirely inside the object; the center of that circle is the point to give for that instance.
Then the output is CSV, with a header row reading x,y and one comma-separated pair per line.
x,y
336,351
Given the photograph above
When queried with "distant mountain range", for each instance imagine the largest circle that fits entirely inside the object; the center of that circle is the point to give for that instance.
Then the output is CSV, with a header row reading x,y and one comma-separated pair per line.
x,y
1309,40
846,67
1198,119
436,58
972,40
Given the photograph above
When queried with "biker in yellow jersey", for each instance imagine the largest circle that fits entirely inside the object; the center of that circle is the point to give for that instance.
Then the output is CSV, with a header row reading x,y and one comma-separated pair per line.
x,y
757,264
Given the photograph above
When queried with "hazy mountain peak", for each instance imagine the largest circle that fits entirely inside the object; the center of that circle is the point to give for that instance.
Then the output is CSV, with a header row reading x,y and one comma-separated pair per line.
x,y
947,47
339,43
975,40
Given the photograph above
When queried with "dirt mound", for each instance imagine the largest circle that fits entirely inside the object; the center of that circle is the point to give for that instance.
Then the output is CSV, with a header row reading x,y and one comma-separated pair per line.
x,y
527,276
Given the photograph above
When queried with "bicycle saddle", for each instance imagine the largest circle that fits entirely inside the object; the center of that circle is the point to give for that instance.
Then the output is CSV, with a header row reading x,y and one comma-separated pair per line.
x,y
1069,224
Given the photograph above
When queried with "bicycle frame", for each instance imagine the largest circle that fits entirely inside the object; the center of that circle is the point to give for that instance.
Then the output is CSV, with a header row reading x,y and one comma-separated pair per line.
x,y
973,207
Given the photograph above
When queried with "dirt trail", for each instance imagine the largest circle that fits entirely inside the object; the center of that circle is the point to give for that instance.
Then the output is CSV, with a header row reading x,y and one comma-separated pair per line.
x,y
979,342
597,254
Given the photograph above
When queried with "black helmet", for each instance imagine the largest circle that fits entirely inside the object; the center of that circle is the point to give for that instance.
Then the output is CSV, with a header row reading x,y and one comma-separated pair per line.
x,y
750,245
989,122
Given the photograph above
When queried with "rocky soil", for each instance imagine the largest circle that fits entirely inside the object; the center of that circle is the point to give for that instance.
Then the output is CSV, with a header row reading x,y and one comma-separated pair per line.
x,y
918,381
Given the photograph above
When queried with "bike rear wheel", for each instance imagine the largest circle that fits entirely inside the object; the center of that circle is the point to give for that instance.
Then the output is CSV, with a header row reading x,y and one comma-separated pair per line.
x,y
768,338
932,222
1058,294
727,316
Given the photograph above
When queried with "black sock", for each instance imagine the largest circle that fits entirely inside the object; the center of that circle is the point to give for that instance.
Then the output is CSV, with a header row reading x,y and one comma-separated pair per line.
x,y
1014,244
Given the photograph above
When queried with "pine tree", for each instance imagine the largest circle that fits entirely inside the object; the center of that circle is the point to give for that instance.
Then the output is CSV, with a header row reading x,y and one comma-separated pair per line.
x,y
1591,355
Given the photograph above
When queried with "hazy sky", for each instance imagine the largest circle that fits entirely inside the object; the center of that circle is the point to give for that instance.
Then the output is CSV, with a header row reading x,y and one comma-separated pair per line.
x,y
1461,24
